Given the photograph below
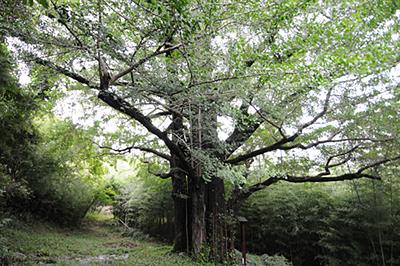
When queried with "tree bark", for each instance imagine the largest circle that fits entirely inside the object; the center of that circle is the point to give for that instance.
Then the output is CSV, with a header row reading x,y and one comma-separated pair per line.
x,y
209,198
197,213
179,193
181,219
216,219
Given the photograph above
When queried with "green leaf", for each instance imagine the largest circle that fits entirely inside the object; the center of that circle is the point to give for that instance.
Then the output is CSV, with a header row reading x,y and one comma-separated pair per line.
x,y
44,3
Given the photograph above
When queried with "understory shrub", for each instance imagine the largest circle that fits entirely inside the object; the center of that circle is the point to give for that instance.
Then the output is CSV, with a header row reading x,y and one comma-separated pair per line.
x,y
364,229
349,223
288,221
356,223
36,175
145,203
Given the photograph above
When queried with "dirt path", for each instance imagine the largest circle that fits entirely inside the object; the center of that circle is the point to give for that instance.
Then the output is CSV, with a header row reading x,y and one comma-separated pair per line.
x,y
94,243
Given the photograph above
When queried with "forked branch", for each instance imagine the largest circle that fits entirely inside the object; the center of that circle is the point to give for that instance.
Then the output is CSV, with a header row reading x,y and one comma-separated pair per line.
x,y
279,145
321,177
133,147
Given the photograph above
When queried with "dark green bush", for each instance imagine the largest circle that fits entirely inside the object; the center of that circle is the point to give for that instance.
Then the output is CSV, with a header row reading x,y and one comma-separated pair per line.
x,y
353,223
48,167
350,223
364,228
288,220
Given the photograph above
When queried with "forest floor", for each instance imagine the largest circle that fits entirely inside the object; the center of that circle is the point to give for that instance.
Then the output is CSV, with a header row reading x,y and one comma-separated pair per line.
x,y
96,242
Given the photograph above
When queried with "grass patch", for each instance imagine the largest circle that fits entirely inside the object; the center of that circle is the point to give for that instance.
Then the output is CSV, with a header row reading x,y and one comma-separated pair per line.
x,y
97,242
92,244
99,216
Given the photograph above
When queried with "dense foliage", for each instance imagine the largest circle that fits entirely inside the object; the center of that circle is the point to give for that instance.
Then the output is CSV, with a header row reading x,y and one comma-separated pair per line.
x,y
289,221
234,96
352,224
48,166
355,223
17,134
145,204
17,140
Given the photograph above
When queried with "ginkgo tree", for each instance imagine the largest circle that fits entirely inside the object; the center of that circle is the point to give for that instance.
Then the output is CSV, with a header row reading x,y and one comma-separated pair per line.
x,y
242,92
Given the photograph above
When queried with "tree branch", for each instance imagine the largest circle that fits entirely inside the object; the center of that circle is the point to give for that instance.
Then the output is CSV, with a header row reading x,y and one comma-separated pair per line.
x,y
321,177
269,121
160,114
123,106
279,144
62,21
276,146
328,164
145,149
63,71
166,175
383,161
247,192
331,140
143,60
241,132
320,114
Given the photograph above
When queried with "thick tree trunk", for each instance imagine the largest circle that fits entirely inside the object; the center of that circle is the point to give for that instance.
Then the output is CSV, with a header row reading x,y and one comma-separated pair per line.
x,y
181,219
197,185
216,219
198,209
200,224
200,221
180,194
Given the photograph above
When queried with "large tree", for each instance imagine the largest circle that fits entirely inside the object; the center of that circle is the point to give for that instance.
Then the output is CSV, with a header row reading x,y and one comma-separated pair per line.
x,y
302,90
